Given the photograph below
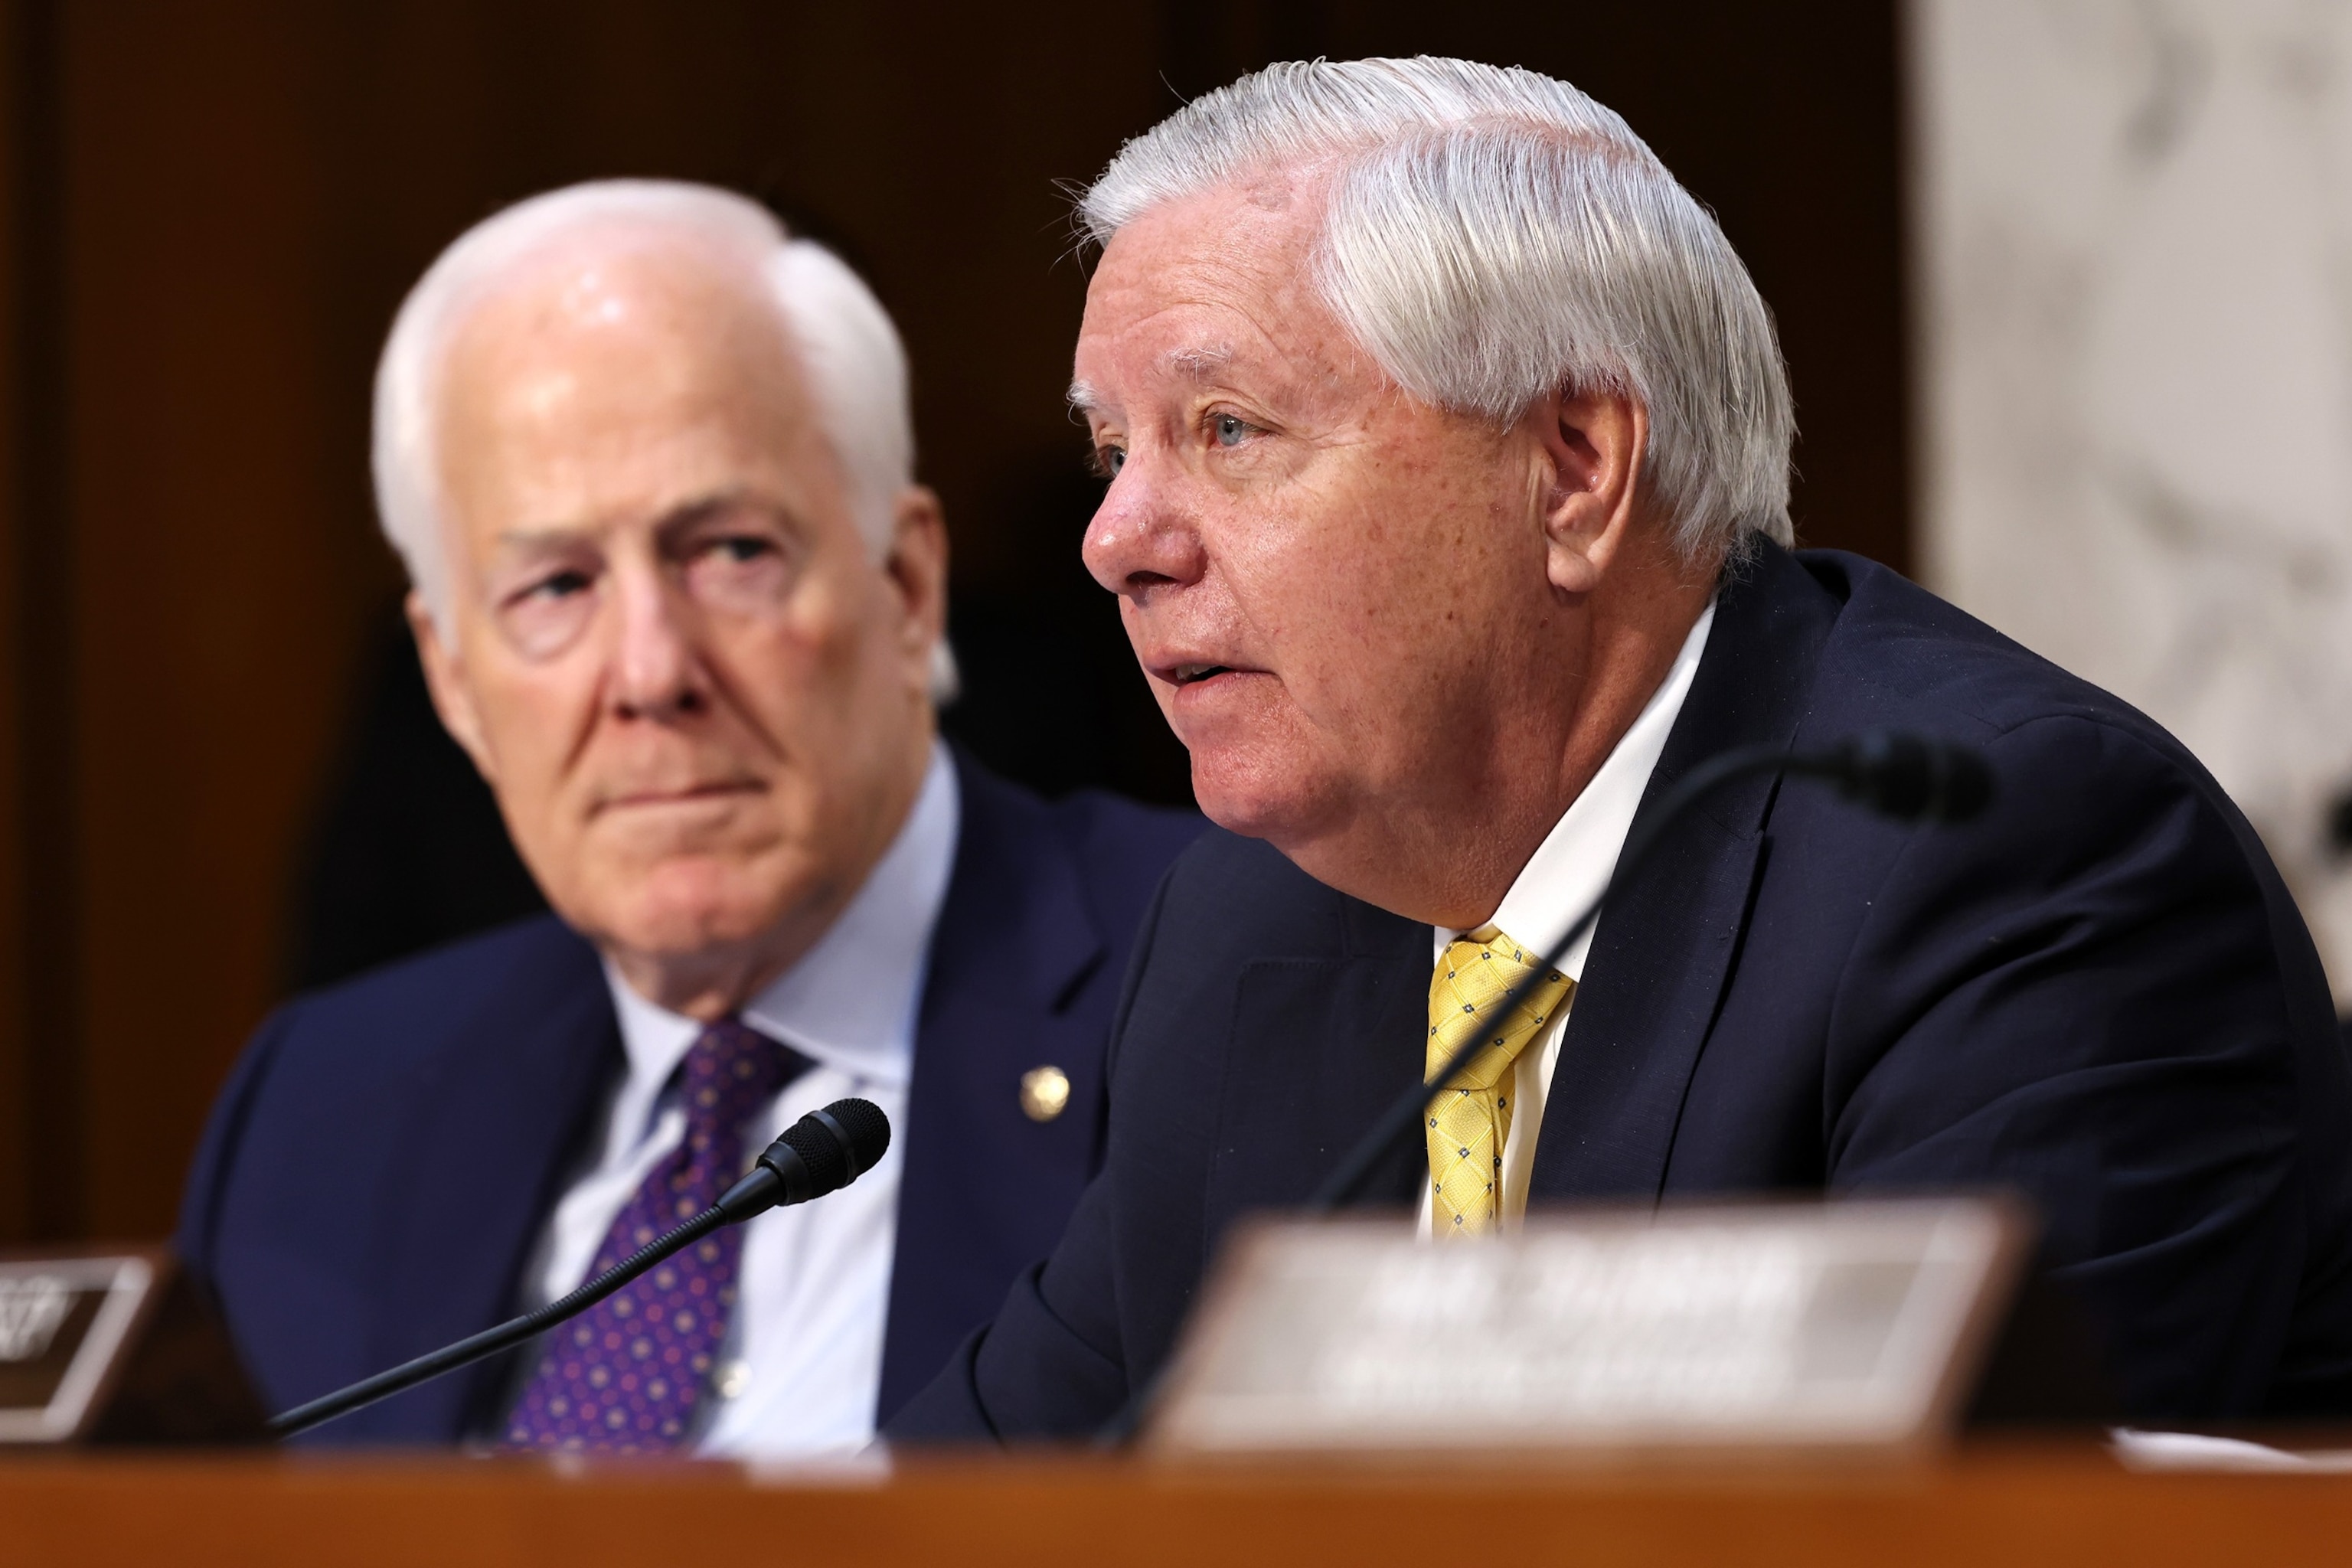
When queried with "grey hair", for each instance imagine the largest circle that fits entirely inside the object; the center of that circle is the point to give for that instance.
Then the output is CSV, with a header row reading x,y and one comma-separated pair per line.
x,y
1494,235
843,338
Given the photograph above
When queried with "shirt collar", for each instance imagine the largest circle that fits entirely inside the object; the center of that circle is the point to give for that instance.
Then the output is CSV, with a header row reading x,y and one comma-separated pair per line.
x,y
1573,864
851,1000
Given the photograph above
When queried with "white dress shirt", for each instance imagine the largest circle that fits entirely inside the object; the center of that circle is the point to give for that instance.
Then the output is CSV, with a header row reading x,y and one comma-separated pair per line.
x,y
802,1365
1567,871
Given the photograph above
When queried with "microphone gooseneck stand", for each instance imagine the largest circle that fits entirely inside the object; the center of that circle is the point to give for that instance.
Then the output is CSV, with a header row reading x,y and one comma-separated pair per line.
x,y
1903,776
824,1151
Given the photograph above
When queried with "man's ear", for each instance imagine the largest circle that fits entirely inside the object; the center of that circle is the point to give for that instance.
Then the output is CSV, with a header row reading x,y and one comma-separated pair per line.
x,y
916,567
1592,446
445,677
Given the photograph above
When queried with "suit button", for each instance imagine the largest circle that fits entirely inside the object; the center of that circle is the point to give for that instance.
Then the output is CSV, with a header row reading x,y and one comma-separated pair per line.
x,y
1045,1092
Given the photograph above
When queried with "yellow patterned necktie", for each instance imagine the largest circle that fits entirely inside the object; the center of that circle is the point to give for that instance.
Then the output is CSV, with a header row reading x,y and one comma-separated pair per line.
x,y
1468,1124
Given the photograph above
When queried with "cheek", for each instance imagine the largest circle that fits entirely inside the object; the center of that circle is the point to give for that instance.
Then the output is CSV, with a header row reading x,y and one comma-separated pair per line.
x,y
532,718
814,667
1324,595
535,731
1134,622
1363,600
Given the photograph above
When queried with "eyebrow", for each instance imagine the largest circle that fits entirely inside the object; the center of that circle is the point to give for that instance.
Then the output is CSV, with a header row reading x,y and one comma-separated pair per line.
x,y
1198,364
540,536
684,514
1194,364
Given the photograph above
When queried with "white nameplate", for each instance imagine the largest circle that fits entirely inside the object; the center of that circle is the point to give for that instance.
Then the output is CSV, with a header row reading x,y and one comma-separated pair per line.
x,y
62,1321
1846,1326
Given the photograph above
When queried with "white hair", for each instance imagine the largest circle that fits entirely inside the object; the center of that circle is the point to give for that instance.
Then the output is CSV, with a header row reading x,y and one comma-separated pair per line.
x,y
1494,235
839,333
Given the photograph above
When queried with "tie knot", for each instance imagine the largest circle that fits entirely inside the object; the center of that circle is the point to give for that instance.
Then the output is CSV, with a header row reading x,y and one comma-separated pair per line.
x,y
1466,997
731,1070
1489,956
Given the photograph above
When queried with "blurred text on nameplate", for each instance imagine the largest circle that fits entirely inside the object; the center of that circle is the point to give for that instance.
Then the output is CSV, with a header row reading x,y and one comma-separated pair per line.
x,y
1829,1327
116,1345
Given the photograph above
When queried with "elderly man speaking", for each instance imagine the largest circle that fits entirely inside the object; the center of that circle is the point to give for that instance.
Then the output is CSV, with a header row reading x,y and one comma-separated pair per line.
x,y
1449,443
650,465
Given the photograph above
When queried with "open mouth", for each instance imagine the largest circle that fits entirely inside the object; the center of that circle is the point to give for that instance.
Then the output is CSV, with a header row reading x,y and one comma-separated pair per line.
x,y
1192,674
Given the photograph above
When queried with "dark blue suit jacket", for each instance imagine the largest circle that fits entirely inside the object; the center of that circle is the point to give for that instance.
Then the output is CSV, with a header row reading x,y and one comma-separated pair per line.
x,y
384,1157
2098,995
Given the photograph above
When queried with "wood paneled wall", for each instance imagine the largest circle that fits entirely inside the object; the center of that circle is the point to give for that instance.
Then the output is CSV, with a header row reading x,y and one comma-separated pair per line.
x,y
211,207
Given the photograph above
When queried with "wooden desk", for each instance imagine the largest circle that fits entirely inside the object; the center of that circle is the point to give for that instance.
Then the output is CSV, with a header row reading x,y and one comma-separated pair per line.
x,y
2002,1506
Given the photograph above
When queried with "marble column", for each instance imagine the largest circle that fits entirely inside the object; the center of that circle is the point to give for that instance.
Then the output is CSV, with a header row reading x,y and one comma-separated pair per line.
x,y
2132,253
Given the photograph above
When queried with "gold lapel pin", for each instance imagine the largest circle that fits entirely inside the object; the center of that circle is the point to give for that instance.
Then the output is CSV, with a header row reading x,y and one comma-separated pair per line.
x,y
1045,1093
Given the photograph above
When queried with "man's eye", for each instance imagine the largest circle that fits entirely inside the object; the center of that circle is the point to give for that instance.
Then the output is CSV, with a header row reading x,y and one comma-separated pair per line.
x,y
1110,460
739,547
558,586
1230,429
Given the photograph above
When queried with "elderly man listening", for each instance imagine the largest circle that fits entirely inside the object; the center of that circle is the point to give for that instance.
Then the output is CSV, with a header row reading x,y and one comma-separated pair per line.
x,y
1449,520
649,463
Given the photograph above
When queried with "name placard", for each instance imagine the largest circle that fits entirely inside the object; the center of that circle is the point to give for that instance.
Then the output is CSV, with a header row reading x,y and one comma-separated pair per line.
x,y
62,1321
1823,1326
115,1346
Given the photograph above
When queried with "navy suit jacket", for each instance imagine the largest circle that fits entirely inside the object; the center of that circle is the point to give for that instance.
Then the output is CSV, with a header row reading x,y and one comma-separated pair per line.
x,y
384,1157
2098,995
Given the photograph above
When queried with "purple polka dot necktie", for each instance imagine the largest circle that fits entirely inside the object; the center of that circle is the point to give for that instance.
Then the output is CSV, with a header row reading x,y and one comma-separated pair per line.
x,y
626,1375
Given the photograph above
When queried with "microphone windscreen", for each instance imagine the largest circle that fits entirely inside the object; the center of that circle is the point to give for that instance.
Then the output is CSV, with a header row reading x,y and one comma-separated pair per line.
x,y
839,1143
865,1131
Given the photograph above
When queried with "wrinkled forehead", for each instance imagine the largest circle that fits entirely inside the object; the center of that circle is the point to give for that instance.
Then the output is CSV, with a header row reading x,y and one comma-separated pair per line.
x,y
1207,288
604,386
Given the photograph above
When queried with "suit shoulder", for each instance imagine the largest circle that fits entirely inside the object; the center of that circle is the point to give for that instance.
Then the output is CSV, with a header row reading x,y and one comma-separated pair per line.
x,y
1125,835
1120,847
405,1009
327,1080
1899,654
1245,896
2086,771
1221,865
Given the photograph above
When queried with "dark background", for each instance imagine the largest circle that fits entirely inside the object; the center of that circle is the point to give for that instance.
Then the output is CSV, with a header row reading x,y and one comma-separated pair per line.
x,y
215,774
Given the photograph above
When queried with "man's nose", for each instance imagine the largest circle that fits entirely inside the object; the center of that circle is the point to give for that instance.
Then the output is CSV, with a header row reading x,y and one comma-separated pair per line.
x,y
656,674
1142,537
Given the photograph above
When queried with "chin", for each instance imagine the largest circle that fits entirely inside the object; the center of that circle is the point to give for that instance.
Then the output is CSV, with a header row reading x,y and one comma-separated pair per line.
x,y
691,905
1282,799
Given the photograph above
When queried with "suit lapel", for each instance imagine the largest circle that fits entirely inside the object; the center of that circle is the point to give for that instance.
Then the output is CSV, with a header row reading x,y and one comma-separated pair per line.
x,y
498,1114
1666,945
984,1187
1320,1044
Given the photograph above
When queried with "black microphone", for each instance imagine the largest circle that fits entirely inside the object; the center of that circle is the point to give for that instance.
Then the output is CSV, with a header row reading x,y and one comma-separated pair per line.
x,y
1912,778
821,1153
